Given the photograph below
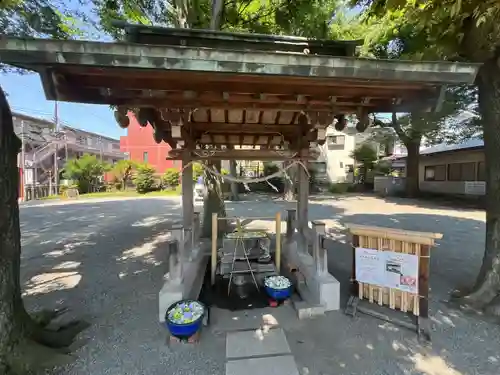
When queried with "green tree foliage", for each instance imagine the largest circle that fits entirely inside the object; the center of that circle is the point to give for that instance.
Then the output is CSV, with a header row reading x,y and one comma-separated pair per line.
x,y
40,18
122,171
458,30
366,155
308,18
144,179
86,172
171,178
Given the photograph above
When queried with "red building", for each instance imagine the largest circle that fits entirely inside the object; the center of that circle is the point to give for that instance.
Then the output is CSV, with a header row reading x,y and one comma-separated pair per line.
x,y
141,147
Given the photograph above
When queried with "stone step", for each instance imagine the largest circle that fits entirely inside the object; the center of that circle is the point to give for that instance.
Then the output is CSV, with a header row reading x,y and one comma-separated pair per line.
x,y
254,352
280,365
256,343
307,310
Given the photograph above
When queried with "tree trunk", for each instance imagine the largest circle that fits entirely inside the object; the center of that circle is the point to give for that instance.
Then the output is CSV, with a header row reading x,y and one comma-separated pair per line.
x,y
487,286
213,201
10,236
234,185
412,167
21,337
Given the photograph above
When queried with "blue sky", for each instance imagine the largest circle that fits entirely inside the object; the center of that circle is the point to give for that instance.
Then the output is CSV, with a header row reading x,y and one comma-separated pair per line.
x,y
25,95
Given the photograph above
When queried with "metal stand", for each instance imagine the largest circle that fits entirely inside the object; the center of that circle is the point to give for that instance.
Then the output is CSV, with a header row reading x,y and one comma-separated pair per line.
x,y
240,240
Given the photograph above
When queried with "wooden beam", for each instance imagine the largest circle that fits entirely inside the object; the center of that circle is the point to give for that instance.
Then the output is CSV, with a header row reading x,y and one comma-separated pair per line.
x,y
224,83
231,128
240,154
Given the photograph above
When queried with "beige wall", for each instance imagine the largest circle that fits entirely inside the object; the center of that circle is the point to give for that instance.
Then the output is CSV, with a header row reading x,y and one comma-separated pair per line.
x,y
449,187
449,158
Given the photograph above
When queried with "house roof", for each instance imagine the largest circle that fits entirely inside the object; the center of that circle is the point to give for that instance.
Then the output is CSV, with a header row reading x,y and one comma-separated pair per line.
x,y
36,128
473,143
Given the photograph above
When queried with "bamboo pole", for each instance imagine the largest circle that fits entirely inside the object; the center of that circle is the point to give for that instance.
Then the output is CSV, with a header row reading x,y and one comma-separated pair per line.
x,y
277,255
214,246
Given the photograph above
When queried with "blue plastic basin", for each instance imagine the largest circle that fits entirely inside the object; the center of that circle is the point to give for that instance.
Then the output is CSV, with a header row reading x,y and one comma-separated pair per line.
x,y
183,330
279,294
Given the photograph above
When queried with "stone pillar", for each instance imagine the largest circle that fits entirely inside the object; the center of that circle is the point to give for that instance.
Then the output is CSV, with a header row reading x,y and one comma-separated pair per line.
x,y
319,253
176,256
302,198
187,195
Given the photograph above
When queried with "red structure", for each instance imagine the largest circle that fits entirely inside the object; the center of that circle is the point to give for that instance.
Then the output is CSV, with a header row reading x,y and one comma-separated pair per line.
x,y
141,147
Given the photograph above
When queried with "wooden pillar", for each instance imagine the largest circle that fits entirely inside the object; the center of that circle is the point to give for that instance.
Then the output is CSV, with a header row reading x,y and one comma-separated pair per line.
x,y
290,222
187,194
302,198
277,254
354,288
423,291
214,247
196,228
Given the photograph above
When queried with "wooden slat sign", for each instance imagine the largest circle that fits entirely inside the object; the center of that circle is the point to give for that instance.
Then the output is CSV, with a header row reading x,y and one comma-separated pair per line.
x,y
391,267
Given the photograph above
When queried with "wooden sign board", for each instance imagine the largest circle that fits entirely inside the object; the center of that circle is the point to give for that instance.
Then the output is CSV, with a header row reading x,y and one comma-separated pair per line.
x,y
71,194
381,272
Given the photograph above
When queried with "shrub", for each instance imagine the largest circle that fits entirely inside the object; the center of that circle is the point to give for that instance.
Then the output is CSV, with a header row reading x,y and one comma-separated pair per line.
x,y
122,173
144,180
340,188
87,172
171,178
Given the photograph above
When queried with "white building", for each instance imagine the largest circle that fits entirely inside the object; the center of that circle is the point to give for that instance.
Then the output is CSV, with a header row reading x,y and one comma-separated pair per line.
x,y
335,164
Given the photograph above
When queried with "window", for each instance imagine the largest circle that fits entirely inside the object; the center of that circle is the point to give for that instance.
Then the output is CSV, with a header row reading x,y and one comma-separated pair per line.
x,y
341,165
435,173
145,157
481,171
334,140
462,172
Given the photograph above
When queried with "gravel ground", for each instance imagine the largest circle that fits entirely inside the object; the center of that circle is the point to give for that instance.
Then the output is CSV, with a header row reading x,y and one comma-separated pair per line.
x,y
106,260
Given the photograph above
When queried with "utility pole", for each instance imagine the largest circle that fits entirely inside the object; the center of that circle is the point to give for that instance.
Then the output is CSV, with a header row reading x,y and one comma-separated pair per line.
x,y
56,152
23,163
100,147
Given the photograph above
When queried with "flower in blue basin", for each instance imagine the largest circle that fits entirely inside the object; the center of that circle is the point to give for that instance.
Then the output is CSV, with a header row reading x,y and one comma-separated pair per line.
x,y
277,282
185,313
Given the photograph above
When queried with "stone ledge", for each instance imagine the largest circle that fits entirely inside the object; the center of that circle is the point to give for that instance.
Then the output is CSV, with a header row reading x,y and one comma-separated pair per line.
x,y
317,291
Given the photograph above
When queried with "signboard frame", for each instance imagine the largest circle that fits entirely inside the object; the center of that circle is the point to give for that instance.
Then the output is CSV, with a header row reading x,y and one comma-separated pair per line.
x,y
380,239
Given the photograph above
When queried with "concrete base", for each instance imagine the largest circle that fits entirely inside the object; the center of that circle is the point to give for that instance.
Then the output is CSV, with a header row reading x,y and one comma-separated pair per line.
x,y
316,290
190,286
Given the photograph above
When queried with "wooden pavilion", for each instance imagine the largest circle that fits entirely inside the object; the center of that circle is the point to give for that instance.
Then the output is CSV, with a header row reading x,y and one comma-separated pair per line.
x,y
218,95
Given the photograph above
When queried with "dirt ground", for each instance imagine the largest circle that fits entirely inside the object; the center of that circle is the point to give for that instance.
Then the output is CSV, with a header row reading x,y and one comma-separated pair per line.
x,y
106,261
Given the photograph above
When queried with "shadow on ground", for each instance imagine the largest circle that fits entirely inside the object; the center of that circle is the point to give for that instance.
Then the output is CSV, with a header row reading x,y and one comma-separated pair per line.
x,y
461,345
106,261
